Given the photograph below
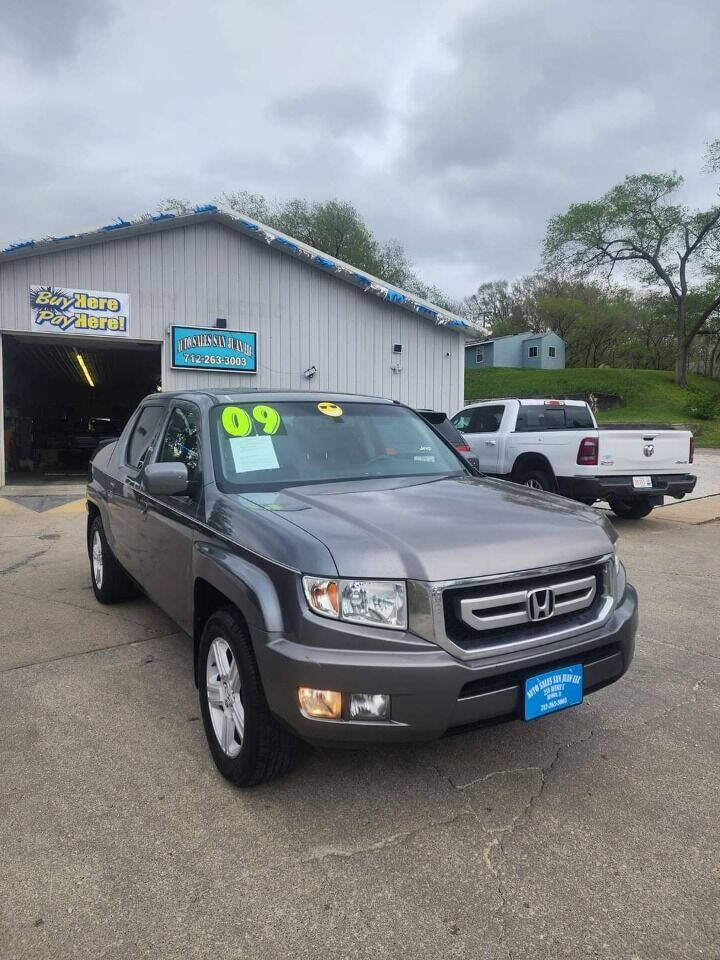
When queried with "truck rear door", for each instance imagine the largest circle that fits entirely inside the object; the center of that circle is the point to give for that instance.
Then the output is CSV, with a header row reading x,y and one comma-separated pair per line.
x,y
643,451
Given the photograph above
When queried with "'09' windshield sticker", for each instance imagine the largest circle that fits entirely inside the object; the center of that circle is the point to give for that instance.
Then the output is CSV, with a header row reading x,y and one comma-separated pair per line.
x,y
237,422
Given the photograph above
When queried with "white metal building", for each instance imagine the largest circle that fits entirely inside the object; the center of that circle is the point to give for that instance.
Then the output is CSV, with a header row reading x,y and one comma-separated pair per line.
x,y
86,329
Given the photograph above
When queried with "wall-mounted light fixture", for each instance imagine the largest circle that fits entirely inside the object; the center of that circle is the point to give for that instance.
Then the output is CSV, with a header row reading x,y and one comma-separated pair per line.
x,y
221,323
309,373
396,363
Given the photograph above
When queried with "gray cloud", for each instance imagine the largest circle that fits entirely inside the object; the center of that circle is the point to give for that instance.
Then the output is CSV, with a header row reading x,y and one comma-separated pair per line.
x,y
48,31
458,128
338,111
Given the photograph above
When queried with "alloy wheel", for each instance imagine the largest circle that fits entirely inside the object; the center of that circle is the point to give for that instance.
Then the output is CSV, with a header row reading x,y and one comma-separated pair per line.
x,y
97,559
224,696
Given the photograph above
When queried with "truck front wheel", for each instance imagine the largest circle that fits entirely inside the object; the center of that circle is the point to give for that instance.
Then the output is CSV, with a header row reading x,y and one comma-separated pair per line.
x,y
247,743
631,509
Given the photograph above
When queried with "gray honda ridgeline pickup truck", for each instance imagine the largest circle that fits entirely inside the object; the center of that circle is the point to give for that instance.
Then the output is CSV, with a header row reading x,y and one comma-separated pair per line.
x,y
346,576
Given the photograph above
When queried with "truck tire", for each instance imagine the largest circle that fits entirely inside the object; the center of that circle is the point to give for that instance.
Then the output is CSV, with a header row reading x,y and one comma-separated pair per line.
x,y
631,509
247,743
110,583
536,479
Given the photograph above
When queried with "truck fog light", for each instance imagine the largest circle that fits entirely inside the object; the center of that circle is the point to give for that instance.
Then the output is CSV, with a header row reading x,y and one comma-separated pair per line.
x,y
320,704
369,706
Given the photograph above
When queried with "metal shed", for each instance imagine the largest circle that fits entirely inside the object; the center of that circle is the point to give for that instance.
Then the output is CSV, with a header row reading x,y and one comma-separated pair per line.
x,y
102,306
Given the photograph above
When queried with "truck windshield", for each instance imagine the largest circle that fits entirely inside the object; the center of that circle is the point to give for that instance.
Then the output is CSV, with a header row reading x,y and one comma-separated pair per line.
x,y
261,446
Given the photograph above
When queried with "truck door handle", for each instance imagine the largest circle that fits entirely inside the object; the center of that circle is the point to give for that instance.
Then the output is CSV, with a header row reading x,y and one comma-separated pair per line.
x,y
490,443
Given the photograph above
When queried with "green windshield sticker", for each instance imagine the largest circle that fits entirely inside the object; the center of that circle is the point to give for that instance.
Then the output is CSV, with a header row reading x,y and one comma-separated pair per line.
x,y
237,422
268,417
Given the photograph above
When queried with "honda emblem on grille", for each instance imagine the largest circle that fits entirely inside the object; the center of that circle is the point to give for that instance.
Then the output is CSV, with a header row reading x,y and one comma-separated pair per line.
x,y
541,604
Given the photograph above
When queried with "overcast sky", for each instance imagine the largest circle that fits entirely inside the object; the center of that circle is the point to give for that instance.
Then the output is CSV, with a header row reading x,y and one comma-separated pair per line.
x,y
457,127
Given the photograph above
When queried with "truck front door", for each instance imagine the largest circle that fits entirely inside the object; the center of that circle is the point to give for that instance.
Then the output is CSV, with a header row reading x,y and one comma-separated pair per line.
x,y
169,531
481,426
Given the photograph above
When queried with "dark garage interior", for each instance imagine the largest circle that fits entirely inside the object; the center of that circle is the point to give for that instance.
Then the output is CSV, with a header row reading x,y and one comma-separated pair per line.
x,y
63,399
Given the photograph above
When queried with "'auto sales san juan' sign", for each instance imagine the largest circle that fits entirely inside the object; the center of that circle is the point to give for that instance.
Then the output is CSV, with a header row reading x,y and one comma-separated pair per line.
x,y
73,310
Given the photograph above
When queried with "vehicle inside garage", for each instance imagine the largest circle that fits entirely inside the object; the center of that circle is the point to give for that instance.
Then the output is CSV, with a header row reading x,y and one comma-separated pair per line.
x,y
62,399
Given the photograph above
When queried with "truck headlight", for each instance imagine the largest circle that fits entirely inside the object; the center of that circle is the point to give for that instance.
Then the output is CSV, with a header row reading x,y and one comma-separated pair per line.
x,y
619,578
380,603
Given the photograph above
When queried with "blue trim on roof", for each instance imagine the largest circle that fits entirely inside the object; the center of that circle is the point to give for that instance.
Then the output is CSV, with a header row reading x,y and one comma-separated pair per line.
x,y
18,246
120,225
292,247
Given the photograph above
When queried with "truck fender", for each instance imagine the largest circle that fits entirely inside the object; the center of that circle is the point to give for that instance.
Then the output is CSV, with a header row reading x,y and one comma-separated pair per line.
x,y
218,570
532,461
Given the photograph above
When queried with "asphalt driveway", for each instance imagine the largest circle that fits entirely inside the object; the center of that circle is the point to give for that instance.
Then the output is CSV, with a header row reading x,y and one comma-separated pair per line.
x,y
593,832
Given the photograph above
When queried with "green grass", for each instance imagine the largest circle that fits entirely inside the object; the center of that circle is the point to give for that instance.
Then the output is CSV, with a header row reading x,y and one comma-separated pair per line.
x,y
649,396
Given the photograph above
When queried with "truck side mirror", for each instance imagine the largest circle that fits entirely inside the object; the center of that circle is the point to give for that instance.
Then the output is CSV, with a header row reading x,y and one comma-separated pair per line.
x,y
166,479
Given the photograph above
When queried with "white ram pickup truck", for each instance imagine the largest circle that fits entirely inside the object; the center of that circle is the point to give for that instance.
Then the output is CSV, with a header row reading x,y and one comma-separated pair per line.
x,y
556,445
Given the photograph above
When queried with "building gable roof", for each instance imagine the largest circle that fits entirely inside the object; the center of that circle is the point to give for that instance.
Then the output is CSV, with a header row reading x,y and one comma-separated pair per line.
x,y
528,335
402,299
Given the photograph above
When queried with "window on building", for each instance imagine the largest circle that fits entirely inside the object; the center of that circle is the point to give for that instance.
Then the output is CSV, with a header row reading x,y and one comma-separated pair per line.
x,y
479,355
532,352
552,351
143,434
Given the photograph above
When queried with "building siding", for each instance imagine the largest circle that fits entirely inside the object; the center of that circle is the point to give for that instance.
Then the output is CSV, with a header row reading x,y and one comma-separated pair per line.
x,y
196,273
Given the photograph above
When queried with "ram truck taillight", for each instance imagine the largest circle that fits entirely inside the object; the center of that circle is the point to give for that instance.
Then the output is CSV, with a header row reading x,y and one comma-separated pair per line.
x,y
463,448
691,458
588,452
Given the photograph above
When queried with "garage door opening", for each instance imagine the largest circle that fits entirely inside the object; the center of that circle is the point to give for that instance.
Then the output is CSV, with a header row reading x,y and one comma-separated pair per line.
x,y
62,399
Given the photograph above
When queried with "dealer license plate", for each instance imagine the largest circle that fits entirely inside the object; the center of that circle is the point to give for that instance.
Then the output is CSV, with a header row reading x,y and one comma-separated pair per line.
x,y
641,482
554,690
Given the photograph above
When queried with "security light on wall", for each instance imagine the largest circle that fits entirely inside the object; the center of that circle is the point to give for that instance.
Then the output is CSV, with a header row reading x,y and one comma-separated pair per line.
x,y
309,373
221,323
396,365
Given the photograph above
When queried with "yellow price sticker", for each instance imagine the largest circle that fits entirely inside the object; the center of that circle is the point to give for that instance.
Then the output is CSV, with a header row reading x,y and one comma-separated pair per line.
x,y
268,417
330,409
238,422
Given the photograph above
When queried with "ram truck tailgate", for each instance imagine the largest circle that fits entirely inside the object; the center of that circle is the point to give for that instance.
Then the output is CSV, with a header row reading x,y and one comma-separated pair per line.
x,y
643,451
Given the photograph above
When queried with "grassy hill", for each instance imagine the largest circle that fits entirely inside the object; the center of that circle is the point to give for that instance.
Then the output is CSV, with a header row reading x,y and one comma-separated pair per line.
x,y
649,396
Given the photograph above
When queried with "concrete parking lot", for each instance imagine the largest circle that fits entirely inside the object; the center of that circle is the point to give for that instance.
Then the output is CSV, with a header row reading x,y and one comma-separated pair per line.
x,y
593,832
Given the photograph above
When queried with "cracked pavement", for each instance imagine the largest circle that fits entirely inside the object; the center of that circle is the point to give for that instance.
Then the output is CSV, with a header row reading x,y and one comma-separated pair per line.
x,y
590,833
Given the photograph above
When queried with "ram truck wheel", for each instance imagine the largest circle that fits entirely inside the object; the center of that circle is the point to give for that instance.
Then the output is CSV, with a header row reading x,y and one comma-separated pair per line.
x,y
631,509
247,743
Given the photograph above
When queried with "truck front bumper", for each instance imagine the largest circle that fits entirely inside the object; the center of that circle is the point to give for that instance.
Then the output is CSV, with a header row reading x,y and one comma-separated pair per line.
x,y
589,489
432,692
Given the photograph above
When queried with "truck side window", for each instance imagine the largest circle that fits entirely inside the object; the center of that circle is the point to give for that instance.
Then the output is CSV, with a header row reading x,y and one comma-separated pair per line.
x,y
461,421
536,417
487,419
578,418
181,443
143,434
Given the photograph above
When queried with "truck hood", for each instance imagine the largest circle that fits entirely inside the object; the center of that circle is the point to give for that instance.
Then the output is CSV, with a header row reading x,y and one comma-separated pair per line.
x,y
443,529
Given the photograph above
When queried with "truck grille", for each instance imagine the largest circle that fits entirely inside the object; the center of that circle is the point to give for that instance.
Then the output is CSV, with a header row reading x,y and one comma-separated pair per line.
x,y
489,614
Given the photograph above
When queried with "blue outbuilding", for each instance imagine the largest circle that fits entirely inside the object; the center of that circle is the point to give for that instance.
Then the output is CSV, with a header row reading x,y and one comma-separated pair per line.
x,y
545,351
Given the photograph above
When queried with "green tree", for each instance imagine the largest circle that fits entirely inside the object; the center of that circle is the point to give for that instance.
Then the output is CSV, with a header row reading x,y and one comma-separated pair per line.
x,y
640,224
333,226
